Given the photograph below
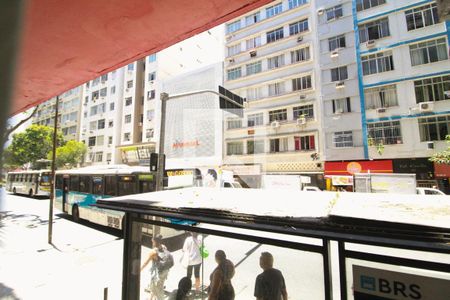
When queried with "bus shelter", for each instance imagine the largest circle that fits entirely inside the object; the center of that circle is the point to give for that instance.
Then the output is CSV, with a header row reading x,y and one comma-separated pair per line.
x,y
327,245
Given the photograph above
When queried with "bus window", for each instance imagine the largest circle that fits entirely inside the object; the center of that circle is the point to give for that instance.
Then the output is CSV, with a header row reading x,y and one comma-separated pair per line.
x,y
84,184
110,185
73,185
97,185
127,185
59,182
227,185
45,179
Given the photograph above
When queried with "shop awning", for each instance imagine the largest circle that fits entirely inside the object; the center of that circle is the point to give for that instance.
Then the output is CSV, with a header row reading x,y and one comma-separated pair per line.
x,y
441,170
66,43
352,167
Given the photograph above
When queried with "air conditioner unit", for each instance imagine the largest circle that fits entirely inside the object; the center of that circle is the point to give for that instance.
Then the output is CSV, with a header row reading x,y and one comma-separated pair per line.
x,y
299,39
302,97
430,145
231,60
301,121
228,38
334,53
275,124
370,43
320,11
252,53
426,106
340,84
381,110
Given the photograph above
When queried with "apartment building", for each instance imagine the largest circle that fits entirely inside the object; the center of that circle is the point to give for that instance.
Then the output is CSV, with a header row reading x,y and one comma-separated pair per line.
x,y
271,60
69,113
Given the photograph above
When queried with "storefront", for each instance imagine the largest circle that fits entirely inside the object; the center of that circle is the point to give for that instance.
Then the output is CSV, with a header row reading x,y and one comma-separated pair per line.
x,y
422,167
339,174
442,174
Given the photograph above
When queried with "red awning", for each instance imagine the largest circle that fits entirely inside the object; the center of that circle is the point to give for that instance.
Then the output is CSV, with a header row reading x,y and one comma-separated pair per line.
x,y
441,170
67,43
352,167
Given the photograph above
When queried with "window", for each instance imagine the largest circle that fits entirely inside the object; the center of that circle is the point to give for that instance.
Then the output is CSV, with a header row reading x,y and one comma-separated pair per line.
x,y
96,81
377,63
434,128
93,125
235,26
234,73
374,30
103,78
128,101
253,18
300,55
432,89
294,3
385,96
255,146
150,114
278,115
297,27
234,148
253,42
110,185
423,16
95,95
103,92
234,123
274,35
428,52
97,184
386,133
274,10
74,183
342,139
91,142
366,4
275,62
276,89
151,76
130,67
152,58
254,93
101,124
127,119
130,84
113,90
302,83
110,123
98,157
336,42
341,105
255,120
84,186
110,140
279,145
334,12
253,68
126,136
111,106
100,140
339,74
233,50
149,133
304,143
151,94
305,110
101,108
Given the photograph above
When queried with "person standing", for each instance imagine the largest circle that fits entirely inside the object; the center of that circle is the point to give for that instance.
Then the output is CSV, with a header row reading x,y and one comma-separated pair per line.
x,y
191,249
162,261
184,286
270,283
221,287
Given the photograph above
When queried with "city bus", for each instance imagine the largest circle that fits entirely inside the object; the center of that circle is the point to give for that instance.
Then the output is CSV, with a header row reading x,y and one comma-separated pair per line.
x,y
31,183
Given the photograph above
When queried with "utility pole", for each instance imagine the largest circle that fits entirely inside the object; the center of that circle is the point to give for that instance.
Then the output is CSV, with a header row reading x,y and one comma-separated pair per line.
x,y
52,186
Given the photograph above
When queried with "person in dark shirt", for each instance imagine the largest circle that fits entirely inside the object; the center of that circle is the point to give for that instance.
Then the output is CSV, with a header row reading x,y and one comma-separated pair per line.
x,y
270,283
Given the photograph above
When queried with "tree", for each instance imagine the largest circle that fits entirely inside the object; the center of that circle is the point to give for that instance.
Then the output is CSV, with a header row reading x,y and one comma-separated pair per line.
x,y
10,129
31,145
442,157
69,155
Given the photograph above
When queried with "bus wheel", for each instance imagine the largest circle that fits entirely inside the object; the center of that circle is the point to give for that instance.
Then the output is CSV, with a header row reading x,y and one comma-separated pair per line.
x,y
30,193
75,214
14,191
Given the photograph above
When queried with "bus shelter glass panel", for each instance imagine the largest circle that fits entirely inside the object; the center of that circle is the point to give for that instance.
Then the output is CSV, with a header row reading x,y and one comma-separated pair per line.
x,y
212,261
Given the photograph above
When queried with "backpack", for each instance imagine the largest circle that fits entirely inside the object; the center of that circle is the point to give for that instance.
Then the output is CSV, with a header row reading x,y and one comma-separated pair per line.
x,y
165,260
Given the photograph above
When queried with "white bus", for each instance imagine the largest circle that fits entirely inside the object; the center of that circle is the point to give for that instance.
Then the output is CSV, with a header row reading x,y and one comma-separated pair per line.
x,y
31,183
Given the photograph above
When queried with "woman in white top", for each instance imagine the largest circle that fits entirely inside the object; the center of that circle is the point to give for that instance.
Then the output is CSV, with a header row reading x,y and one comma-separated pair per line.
x,y
191,248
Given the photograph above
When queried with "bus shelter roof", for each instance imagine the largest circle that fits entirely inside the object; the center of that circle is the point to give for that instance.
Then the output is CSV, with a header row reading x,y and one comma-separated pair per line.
x,y
66,43
346,212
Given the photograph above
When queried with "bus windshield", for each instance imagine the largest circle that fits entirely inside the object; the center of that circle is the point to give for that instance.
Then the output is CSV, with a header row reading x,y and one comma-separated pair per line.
x,y
45,179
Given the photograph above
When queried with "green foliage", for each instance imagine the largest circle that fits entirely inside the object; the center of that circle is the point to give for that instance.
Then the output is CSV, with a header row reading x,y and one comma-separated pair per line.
x,y
69,155
31,145
442,157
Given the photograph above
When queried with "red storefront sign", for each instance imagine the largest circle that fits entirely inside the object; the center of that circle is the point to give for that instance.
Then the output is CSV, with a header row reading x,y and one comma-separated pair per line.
x,y
441,170
352,167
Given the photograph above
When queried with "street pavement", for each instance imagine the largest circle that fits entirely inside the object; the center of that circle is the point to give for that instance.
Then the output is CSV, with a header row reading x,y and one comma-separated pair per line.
x,y
80,264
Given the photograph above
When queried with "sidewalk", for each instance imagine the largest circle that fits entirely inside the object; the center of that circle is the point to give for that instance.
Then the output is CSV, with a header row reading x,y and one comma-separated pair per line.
x,y
82,262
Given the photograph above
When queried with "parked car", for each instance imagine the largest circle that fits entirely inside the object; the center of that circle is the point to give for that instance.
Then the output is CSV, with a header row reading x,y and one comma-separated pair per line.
x,y
311,189
428,191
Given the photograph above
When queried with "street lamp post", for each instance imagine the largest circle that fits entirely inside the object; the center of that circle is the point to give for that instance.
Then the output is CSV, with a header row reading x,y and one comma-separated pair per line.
x,y
52,186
